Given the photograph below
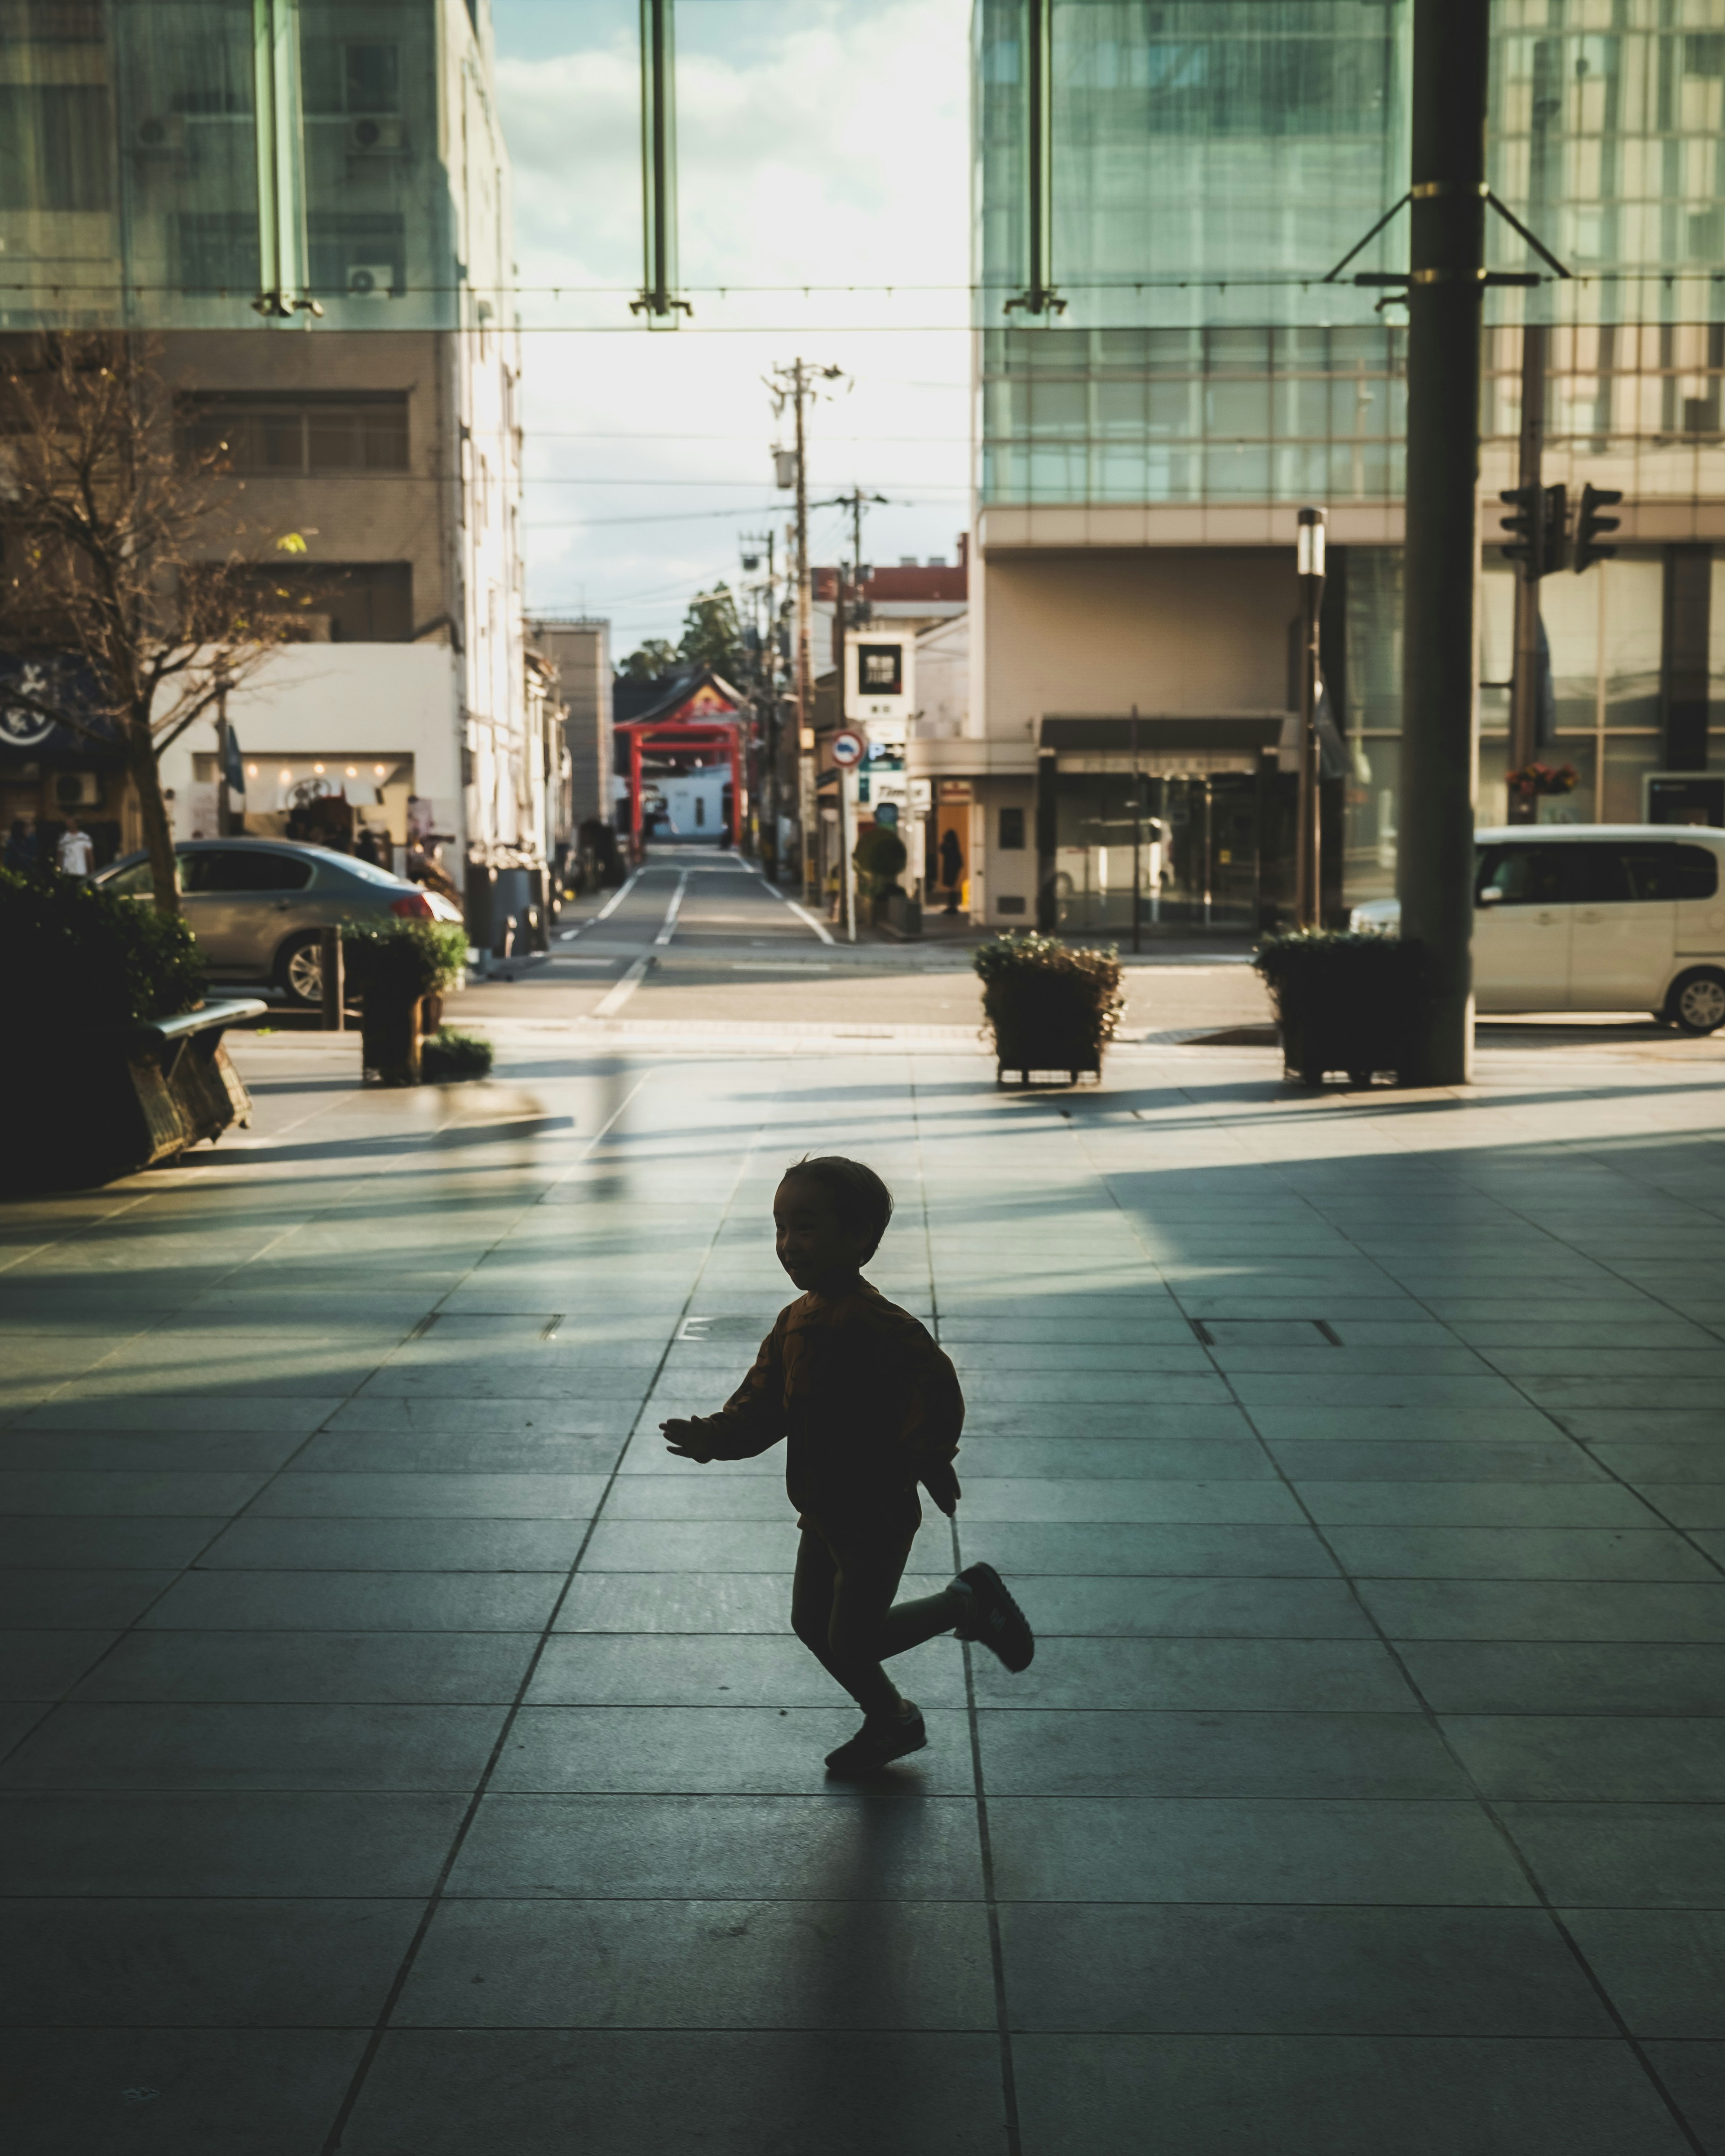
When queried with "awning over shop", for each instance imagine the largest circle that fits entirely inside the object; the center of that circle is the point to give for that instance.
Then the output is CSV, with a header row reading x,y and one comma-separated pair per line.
x,y
1168,746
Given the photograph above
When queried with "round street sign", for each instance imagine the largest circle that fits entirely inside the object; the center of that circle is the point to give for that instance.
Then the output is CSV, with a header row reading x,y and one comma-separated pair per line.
x,y
849,748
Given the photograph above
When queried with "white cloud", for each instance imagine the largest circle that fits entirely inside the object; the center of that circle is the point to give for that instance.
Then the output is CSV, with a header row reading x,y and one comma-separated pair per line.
x,y
827,147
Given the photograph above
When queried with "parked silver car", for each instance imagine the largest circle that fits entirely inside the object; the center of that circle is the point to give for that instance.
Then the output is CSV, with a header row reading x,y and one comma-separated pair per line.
x,y
256,905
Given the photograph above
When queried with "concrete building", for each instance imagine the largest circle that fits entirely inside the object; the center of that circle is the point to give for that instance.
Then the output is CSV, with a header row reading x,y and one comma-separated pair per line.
x,y
303,206
578,648
1144,447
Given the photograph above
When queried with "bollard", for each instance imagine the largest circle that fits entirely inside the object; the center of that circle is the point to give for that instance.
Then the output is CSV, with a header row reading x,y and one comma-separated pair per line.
x,y
330,958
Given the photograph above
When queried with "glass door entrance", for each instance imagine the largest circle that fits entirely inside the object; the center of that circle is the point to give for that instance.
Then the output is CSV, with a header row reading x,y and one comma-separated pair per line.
x,y
1189,845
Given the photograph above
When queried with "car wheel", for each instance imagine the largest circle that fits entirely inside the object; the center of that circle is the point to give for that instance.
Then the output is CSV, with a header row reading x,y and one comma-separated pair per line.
x,y
1697,1002
299,972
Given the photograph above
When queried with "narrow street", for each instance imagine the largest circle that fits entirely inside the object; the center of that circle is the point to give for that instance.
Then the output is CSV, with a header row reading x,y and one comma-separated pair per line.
x,y
406,1754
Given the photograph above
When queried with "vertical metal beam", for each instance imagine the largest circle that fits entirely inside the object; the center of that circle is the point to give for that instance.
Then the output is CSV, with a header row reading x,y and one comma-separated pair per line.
x,y
1435,872
1036,78
282,253
1308,852
658,299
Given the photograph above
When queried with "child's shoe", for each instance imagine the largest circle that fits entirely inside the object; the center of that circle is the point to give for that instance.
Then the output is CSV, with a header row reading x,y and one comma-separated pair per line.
x,y
879,1741
996,1619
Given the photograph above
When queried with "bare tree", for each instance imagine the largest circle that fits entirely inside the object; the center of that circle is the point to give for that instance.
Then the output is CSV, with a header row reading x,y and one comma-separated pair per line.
x,y
121,584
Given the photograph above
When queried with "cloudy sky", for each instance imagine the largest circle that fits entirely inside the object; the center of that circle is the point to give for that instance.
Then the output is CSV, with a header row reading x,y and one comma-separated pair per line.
x,y
820,145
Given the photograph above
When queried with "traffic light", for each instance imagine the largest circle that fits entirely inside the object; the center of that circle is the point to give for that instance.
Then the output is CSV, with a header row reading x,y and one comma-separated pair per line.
x,y
1589,524
1540,526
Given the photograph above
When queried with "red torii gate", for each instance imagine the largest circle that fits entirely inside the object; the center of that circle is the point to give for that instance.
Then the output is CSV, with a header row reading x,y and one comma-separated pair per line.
x,y
693,734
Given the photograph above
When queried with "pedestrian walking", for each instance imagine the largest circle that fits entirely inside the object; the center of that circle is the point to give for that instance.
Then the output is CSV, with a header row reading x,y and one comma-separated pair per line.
x,y
77,850
869,1408
951,855
21,848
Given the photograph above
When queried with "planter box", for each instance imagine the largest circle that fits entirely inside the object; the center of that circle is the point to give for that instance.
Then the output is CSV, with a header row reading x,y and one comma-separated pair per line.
x,y
1040,1024
1344,1001
89,1106
1311,1050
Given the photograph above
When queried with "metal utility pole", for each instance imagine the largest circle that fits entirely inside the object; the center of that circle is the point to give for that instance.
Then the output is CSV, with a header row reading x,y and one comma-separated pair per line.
x,y
767,684
1308,856
1526,682
225,805
1435,871
1137,837
794,385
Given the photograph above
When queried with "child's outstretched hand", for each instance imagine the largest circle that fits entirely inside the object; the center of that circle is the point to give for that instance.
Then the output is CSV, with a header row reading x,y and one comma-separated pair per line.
x,y
679,1438
941,1484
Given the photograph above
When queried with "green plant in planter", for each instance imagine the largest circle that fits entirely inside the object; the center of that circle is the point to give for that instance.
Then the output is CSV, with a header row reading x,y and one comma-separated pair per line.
x,y
79,957
880,859
1050,1007
394,965
447,1057
1344,1001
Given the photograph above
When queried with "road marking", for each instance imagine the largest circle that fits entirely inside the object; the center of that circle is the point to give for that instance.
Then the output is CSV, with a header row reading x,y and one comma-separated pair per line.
x,y
671,912
615,899
780,966
609,1005
808,919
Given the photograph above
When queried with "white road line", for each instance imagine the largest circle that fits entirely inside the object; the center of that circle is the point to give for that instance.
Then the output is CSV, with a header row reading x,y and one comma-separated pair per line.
x,y
669,928
608,1005
808,919
615,899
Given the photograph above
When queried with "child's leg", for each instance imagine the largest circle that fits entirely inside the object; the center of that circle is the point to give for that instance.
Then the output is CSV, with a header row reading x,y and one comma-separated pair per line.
x,y
867,1625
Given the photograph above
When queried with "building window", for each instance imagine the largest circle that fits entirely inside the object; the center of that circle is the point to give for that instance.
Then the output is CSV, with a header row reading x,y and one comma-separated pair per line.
x,y
1012,830
56,146
337,602
273,435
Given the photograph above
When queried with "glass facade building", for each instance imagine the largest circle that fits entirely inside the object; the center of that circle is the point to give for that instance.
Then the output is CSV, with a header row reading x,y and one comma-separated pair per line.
x,y
174,165
1209,162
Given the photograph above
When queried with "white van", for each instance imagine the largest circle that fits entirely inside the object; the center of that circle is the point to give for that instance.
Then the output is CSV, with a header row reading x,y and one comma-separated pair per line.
x,y
1595,917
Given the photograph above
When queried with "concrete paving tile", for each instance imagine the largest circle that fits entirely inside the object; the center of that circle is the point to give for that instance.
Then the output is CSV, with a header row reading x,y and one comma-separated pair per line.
x,y
1567,1677
1592,1758
1248,1850
1629,1854
715,1494
1229,1459
1651,1463
42,1665
1190,1366
176,1411
1129,1502
831,1965
309,1494
614,2092
1517,1553
1514,1423
78,1600
1314,1360
1023,1548
390,1413
131,1843
87,1544
1694,2072
201,1963
356,1601
306,1667
694,1546
1214,1753
272,2092
1663,1969
1546,1610
391,1545
1128,1607
1557,1394
1698,1505
1440,1460
1246,1675
1171,1346
653,1669
1323,1387
160,1745
1163,1969
1340,2095
124,1492
1070,1338
726,1749
688,1602
832,1847
1473,1504
448,1452
145,1452
1168,1412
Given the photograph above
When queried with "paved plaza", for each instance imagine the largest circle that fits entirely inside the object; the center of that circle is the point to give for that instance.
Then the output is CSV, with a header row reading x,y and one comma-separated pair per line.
x,y
409,1758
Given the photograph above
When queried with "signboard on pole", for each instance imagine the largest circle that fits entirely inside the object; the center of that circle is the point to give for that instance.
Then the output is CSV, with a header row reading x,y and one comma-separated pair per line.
x,y
849,748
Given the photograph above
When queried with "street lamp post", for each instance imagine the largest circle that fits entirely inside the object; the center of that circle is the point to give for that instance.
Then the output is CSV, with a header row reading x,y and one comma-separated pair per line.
x,y
1308,864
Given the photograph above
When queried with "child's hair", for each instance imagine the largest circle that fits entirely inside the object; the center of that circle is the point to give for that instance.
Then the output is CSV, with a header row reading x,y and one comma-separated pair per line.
x,y
861,1200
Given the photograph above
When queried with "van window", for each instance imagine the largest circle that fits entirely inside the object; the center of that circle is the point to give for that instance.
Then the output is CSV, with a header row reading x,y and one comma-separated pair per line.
x,y
1524,875
1697,872
1653,870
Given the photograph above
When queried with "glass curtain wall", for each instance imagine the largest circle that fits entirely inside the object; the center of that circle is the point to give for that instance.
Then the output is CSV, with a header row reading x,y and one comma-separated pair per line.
x,y
166,164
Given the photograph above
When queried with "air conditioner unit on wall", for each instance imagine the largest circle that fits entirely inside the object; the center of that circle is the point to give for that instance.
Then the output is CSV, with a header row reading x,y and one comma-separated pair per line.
x,y
370,280
162,135
77,790
374,138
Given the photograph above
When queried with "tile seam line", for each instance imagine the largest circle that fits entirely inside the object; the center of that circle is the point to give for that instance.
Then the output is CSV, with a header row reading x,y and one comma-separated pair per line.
x,y
193,1565
380,2028
1487,1806
997,1951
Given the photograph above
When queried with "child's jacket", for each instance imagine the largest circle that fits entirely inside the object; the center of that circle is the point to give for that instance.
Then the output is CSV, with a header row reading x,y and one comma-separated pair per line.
x,y
866,1400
